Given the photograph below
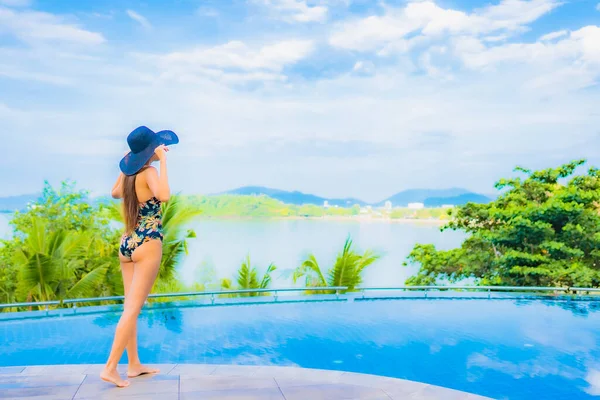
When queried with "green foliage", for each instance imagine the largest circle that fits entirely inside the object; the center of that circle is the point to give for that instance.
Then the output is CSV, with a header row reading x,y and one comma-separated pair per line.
x,y
423,213
543,230
62,247
263,206
177,216
247,278
346,271
226,206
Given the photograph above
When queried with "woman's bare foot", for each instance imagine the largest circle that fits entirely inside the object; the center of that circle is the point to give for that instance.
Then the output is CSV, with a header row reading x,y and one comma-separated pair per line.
x,y
114,378
137,370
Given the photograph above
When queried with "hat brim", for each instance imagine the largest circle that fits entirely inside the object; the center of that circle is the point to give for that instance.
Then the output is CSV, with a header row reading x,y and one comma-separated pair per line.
x,y
132,163
167,137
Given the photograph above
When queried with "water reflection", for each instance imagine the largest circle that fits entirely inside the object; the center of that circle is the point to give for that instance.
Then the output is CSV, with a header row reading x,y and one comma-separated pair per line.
x,y
581,306
165,315
499,348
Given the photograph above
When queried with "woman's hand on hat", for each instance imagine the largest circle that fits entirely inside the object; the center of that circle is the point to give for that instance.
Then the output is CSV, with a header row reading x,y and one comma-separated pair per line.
x,y
161,152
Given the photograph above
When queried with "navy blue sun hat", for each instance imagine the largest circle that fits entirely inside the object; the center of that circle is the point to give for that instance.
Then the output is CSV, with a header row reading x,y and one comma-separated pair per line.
x,y
142,142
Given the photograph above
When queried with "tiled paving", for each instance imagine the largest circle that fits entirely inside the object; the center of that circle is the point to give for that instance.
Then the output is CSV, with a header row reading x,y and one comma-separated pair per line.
x,y
223,382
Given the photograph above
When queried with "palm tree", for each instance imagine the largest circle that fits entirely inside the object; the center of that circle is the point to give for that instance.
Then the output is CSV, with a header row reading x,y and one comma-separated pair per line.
x,y
346,271
247,278
176,216
50,264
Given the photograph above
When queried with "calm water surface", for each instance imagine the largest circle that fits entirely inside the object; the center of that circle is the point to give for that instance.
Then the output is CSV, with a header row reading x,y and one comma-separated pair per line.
x,y
505,349
222,245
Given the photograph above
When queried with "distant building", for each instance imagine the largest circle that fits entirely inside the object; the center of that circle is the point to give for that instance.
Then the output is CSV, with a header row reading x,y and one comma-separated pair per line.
x,y
388,205
447,205
326,204
416,206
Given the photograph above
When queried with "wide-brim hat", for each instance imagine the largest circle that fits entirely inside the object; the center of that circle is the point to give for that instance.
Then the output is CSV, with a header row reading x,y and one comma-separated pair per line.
x,y
143,142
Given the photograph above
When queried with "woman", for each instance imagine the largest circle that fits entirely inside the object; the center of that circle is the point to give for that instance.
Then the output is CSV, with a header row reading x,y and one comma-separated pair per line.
x,y
142,189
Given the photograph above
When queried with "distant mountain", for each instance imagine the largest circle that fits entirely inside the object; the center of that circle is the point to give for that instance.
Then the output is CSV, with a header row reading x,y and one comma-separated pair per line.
x,y
294,197
456,200
429,197
16,203
420,195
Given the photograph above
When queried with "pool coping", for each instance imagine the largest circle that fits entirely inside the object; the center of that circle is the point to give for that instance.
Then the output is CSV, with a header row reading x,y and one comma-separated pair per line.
x,y
216,381
270,300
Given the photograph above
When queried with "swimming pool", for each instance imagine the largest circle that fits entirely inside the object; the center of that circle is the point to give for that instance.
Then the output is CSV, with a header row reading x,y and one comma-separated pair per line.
x,y
506,349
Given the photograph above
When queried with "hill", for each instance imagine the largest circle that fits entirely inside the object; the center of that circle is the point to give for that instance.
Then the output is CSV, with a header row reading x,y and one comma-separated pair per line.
x,y
421,195
16,203
456,200
295,197
429,197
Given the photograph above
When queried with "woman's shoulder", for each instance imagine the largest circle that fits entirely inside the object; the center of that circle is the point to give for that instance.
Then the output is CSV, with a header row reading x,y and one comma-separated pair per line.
x,y
149,170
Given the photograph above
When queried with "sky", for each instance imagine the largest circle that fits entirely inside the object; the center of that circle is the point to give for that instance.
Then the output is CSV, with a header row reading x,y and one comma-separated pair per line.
x,y
334,97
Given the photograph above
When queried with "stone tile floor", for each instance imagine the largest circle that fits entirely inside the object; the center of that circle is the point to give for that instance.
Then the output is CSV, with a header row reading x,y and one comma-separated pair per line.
x,y
223,382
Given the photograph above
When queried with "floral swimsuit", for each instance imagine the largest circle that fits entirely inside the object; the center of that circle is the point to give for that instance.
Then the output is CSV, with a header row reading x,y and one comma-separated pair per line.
x,y
149,227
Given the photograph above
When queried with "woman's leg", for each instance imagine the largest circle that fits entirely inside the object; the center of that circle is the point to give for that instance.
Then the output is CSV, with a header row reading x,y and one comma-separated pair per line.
x,y
135,367
146,260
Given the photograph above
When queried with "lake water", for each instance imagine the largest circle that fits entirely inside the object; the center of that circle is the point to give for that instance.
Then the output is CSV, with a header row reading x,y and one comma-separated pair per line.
x,y
222,245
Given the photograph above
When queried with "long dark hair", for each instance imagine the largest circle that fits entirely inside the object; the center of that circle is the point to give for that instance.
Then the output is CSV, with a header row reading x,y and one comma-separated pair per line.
x,y
131,205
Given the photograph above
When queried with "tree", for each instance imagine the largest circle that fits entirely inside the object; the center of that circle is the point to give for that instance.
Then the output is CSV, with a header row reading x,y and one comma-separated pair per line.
x,y
65,208
542,230
177,216
51,267
247,278
346,271
62,246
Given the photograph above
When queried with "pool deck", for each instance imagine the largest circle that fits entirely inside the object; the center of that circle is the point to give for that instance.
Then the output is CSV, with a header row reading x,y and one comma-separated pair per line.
x,y
204,381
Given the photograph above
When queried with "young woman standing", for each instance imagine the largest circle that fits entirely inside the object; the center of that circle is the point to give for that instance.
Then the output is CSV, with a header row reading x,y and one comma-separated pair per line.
x,y
142,189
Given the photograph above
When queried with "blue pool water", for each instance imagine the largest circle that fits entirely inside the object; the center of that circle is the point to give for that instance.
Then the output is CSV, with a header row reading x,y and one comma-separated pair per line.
x,y
506,349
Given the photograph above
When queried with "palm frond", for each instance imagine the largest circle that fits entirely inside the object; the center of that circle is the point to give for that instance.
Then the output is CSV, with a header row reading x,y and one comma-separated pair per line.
x,y
86,285
311,269
247,275
226,284
36,275
113,210
177,215
36,235
266,280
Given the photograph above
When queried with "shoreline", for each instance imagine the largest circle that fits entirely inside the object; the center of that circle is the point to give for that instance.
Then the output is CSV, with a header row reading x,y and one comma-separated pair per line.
x,y
333,218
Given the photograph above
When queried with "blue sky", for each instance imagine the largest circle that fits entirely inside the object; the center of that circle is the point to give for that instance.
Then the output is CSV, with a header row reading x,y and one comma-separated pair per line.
x,y
334,97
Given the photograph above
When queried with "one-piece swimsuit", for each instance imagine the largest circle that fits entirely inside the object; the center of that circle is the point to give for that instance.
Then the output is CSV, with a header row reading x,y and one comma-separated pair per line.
x,y
148,227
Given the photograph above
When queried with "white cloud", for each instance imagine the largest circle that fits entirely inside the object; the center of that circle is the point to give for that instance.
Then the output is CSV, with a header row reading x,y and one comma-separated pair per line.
x,y
296,10
496,103
207,12
598,7
364,68
139,19
233,62
428,19
554,35
33,26
593,379
581,46
19,74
